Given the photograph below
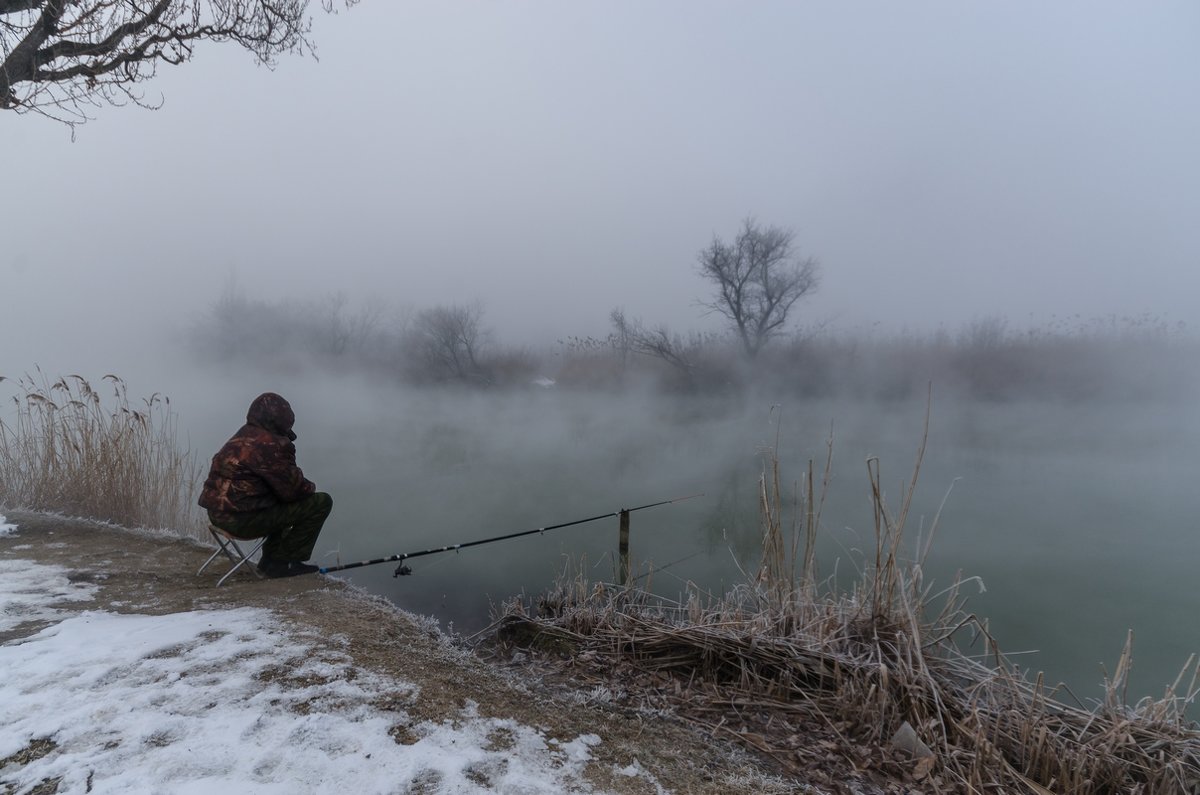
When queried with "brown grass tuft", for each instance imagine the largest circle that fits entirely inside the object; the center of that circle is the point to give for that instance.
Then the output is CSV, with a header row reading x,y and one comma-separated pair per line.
x,y
71,450
806,673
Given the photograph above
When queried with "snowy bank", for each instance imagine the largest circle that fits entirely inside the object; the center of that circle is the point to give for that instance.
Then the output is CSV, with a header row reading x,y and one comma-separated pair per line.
x,y
122,671
231,701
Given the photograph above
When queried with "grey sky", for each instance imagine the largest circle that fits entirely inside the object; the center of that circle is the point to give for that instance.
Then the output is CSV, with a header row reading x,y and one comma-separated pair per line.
x,y
556,159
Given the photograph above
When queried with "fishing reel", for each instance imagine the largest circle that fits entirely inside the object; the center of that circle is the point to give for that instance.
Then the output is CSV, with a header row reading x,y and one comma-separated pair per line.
x,y
401,570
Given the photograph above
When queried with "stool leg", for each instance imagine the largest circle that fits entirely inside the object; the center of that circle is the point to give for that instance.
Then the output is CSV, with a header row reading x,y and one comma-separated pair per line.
x,y
211,558
243,559
228,546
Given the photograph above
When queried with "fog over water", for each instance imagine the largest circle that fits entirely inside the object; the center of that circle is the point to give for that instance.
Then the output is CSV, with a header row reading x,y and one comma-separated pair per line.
x,y
1073,514
983,185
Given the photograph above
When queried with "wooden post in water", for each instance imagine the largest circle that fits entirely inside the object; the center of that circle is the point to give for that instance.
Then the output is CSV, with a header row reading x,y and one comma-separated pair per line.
x,y
624,549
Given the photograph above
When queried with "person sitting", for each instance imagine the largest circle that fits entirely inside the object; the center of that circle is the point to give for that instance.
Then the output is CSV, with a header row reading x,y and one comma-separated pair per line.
x,y
255,489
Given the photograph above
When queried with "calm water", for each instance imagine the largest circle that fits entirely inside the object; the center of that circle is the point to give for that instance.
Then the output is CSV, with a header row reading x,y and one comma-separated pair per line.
x,y
1080,521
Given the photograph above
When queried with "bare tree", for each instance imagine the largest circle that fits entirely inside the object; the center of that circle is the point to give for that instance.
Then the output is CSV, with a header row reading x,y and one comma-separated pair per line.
x,y
58,57
658,343
446,342
758,279
339,331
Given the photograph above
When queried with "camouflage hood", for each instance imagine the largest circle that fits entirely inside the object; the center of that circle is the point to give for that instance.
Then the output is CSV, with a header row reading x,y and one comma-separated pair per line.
x,y
256,469
272,413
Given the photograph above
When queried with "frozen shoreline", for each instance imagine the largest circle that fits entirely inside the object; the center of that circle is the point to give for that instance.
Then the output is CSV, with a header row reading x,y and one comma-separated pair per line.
x,y
133,675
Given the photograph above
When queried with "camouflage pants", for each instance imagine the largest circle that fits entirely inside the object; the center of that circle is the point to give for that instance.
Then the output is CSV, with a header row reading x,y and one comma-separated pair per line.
x,y
291,528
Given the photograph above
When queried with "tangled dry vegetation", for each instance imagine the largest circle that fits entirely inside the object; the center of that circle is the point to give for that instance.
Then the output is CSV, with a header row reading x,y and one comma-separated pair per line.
x,y
70,450
821,680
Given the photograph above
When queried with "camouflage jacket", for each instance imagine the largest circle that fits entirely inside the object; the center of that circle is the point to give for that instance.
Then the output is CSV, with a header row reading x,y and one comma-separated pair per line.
x,y
256,468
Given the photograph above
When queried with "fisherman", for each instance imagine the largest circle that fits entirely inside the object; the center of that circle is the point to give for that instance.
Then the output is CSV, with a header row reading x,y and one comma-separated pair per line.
x,y
255,489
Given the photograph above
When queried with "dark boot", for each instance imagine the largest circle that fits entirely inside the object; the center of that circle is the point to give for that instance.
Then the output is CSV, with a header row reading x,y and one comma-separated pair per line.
x,y
269,567
274,569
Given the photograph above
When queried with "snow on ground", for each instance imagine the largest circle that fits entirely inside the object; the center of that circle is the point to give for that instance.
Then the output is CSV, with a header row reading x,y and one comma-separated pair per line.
x,y
227,701
26,589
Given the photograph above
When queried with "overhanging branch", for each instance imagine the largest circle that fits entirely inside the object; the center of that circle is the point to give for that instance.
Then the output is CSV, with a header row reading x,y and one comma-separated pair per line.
x,y
14,6
109,44
61,56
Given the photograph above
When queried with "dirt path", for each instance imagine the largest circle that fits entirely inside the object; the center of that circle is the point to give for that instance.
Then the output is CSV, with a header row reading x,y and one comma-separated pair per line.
x,y
139,572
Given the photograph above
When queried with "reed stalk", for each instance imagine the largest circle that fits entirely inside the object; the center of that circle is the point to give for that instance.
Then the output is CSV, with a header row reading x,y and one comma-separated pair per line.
x,y
69,449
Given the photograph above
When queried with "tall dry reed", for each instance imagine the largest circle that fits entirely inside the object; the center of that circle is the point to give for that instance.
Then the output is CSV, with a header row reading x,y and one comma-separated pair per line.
x,y
71,450
885,664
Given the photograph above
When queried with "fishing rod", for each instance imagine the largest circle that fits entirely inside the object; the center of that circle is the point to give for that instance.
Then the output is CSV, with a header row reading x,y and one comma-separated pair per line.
x,y
402,569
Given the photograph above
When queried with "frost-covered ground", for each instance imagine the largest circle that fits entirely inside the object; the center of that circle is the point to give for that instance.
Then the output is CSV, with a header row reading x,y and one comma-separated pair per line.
x,y
230,701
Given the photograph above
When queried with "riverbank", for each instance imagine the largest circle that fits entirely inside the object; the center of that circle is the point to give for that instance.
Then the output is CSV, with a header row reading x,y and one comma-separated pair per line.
x,y
129,673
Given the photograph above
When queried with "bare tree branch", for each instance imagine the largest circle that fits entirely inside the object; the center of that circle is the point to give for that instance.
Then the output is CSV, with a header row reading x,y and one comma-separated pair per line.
x,y
758,278
59,57
21,63
13,6
658,343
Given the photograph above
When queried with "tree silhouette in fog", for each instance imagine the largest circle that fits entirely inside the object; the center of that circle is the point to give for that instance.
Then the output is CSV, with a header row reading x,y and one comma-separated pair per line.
x,y
445,343
758,279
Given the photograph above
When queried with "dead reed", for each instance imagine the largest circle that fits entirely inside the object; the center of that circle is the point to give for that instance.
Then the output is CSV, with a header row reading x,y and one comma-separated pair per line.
x,y
72,451
878,680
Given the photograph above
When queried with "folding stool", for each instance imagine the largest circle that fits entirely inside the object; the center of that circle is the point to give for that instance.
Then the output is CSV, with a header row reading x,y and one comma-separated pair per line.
x,y
229,546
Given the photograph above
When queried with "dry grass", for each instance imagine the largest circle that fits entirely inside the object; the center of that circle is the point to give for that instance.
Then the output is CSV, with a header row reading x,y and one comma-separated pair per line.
x,y
823,679
70,450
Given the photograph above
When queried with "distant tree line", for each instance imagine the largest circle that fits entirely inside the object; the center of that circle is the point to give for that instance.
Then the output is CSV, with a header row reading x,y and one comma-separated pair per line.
x,y
757,281
450,345
438,345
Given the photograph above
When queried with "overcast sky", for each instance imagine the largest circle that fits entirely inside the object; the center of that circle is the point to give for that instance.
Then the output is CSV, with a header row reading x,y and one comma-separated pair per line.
x,y
944,161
